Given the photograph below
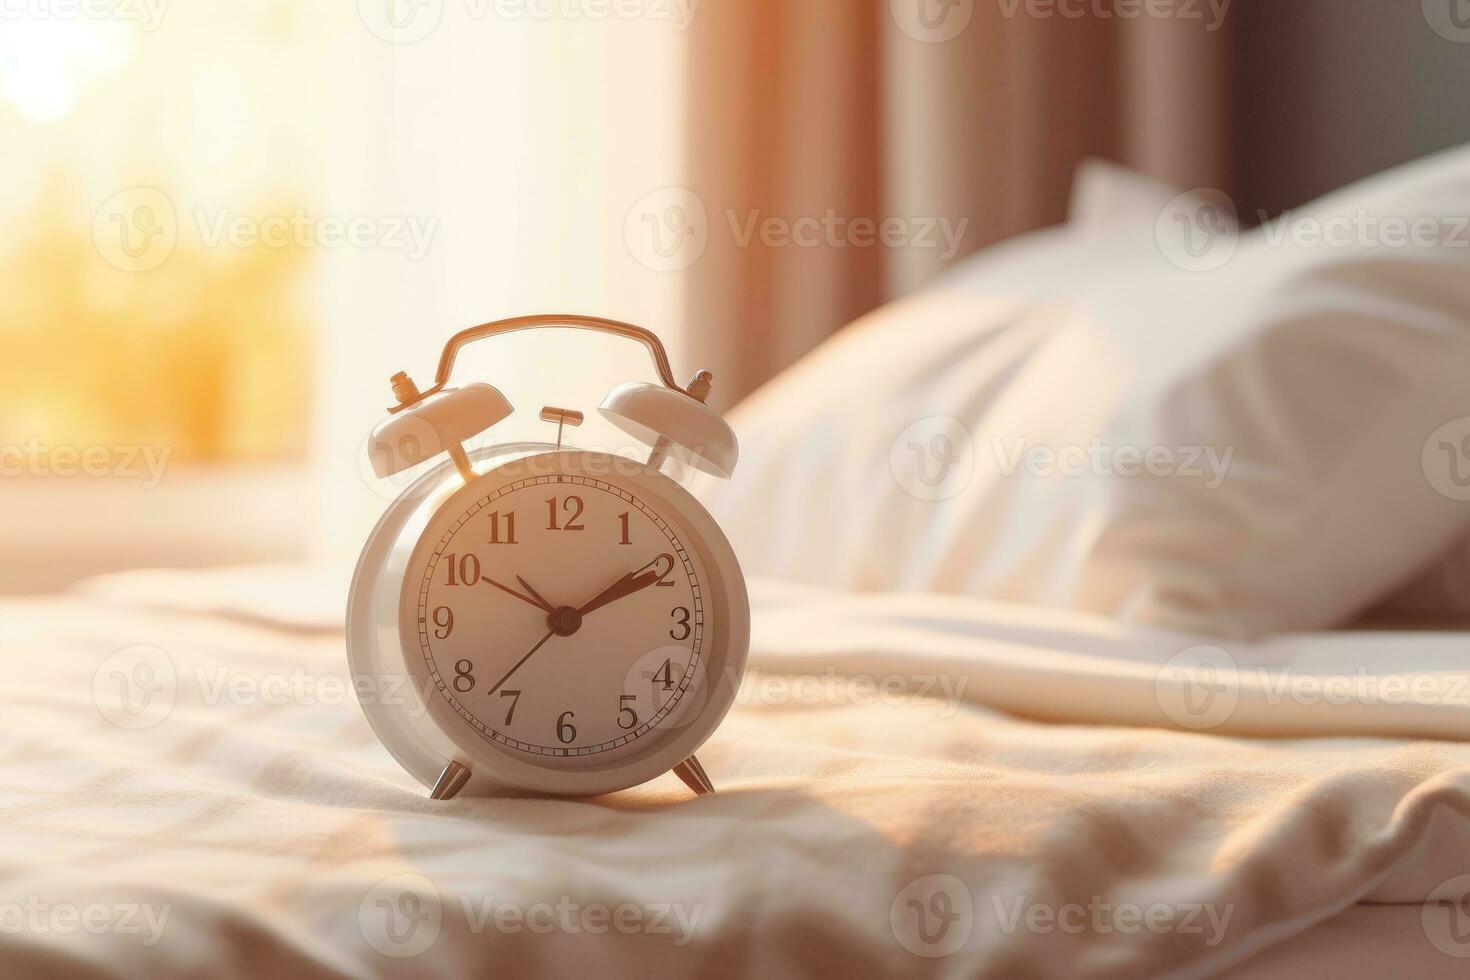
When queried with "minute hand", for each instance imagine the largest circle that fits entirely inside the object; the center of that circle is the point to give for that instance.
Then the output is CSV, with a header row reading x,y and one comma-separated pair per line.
x,y
625,586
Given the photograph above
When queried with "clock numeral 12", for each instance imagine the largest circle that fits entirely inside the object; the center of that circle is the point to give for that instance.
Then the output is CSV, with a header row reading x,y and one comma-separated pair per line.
x,y
573,506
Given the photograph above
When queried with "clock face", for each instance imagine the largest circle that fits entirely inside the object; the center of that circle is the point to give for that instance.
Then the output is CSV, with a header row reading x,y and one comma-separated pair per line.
x,y
564,617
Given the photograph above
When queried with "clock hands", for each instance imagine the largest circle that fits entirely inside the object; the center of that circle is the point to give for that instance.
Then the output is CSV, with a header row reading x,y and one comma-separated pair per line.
x,y
634,581
527,586
565,620
539,644
538,602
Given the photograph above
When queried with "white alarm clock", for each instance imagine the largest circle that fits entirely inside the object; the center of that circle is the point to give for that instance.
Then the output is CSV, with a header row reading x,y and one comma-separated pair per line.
x,y
536,617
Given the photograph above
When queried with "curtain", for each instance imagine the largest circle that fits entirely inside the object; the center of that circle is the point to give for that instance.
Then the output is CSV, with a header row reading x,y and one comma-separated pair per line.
x,y
811,122
517,138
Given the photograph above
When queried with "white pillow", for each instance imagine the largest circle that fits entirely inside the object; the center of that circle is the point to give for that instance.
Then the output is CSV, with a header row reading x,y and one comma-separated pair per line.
x,y
1438,594
1314,374
1107,197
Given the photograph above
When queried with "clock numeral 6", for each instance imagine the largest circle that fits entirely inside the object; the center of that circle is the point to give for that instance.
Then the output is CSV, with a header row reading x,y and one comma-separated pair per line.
x,y
625,711
573,507
444,622
464,676
681,621
566,732
463,569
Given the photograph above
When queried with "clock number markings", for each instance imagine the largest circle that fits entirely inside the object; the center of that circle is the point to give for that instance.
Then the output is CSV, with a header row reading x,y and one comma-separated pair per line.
x,y
510,528
515,699
623,709
468,567
573,505
566,513
443,622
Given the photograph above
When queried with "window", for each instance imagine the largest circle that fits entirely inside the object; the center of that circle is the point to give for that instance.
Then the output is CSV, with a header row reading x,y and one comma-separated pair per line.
x,y
228,224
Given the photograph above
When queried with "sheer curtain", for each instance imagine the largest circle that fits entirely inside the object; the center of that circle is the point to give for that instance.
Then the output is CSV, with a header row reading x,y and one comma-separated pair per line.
x,y
524,142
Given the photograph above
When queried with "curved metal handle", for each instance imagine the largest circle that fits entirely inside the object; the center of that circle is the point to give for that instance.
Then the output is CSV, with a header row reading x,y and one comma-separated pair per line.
x,y
595,323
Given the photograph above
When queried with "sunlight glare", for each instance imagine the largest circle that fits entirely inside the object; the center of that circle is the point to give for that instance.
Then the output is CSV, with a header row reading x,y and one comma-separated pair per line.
x,y
44,64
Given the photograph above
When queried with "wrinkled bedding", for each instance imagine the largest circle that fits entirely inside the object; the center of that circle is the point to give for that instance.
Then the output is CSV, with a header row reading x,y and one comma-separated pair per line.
x,y
909,785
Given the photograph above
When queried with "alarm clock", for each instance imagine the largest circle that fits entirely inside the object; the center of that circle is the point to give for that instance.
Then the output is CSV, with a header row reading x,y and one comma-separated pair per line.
x,y
536,617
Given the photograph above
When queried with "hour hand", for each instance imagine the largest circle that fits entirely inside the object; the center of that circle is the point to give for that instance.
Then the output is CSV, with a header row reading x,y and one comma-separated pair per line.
x,y
534,594
634,581
538,602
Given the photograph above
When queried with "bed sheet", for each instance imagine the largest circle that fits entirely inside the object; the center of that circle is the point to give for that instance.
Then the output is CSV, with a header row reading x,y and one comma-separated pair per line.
x,y
1367,940
910,785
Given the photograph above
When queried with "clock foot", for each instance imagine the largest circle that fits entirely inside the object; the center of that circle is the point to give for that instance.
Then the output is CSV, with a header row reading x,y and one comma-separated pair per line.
x,y
450,782
694,776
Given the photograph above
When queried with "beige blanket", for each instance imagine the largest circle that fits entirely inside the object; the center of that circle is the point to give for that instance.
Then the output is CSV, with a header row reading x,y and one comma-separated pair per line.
x,y
213,802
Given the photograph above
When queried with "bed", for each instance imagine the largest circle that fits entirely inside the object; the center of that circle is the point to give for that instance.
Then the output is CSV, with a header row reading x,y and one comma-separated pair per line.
x,y
910,784
1005,716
